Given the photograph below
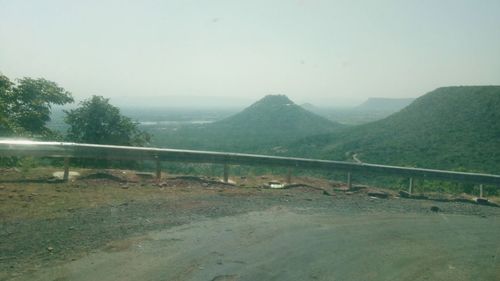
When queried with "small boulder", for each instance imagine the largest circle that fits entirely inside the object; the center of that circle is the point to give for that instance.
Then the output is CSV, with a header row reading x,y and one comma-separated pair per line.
x,y
404,194
378,194
482,201
435,209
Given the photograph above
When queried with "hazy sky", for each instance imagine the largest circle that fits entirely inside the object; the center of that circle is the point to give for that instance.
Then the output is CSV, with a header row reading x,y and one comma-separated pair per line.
x,y
234,52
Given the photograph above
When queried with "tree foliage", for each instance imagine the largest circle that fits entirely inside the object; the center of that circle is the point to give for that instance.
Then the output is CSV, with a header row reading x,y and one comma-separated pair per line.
x,y
5,87
25,106
97,121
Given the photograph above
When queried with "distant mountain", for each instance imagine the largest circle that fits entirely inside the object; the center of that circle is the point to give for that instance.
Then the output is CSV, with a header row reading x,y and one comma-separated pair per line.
x,y
371,110
276,115
265,126
384,104
449,128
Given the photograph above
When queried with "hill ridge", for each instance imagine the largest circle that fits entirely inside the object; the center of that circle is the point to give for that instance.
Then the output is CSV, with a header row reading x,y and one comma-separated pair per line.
x,y
263,127
455,127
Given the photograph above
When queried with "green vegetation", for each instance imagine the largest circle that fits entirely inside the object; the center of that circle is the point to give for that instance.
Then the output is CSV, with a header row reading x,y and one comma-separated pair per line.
x,y
25,106
264,127
455,128
98,122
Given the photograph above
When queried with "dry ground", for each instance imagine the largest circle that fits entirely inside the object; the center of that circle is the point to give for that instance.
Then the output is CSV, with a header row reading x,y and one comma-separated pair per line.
x,y
108,222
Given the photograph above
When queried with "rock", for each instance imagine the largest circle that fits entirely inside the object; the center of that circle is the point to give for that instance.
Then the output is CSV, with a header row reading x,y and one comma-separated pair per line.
x,y
482,201
102,176
276,184
60,175
378,194
204,184
404,194
357,187
435,209
342,189
50,249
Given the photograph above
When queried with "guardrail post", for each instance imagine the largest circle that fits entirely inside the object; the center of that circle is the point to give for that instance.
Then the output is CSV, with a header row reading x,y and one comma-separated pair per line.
x,y
410,186
349,182
158,168
289,176
480,191
66,169
226,172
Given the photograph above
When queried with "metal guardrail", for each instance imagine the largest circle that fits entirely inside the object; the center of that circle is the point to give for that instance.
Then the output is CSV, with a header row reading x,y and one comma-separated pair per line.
x,y
69,150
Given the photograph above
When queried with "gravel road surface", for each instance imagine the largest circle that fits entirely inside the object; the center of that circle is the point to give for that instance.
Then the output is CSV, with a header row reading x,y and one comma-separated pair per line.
x,y
195,232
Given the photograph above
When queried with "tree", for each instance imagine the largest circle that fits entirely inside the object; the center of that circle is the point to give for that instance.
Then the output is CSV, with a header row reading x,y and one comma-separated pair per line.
x,y
25,106
5,87
97,121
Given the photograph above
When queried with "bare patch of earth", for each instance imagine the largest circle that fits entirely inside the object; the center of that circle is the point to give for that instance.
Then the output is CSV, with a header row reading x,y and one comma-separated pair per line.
x,y
181,229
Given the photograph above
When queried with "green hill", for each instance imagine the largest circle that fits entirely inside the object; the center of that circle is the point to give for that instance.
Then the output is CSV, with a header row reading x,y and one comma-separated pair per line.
x,y
449,128
264,127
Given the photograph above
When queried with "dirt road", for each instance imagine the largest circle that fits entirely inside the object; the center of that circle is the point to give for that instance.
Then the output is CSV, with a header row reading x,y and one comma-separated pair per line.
x,y
285,244
188,230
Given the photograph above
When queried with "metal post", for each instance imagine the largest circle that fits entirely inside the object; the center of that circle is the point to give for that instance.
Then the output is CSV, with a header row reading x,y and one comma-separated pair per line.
x,y
349,183
158,169
226,172
410,186
66,169
289,176
480,191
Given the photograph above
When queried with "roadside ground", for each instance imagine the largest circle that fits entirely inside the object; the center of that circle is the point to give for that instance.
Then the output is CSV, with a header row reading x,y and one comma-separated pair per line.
x,y
120,225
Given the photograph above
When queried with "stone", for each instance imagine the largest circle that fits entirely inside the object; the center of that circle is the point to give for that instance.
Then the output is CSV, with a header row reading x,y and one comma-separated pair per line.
x,y
435,209
59,175
404,194
482,201
378,194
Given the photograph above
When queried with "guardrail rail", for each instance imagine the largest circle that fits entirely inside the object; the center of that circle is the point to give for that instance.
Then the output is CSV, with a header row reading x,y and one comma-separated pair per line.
x,y
68,150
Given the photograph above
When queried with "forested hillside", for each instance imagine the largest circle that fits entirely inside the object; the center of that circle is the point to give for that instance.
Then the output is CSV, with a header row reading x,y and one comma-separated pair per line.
x,y
449,128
